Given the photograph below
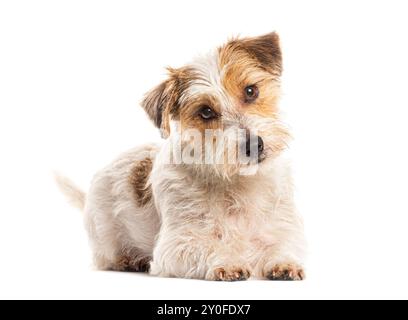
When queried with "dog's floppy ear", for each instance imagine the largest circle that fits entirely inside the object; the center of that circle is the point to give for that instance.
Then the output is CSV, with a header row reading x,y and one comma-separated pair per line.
x,y
163,100
153,104
266,49
157,102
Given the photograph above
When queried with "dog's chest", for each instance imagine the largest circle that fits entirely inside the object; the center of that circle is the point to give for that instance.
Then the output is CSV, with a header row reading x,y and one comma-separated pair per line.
x,y
241,215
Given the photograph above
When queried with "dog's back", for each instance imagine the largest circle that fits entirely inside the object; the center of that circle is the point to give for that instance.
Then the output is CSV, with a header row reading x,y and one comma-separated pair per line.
x,y
119,211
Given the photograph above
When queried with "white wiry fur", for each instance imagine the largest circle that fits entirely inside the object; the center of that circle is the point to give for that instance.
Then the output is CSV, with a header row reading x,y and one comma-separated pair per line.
x,y
249,222
116,224
197,223
199,226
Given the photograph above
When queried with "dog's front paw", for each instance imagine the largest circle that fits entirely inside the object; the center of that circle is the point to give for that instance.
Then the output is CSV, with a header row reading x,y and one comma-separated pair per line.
x,y
233,273
132,264
286,272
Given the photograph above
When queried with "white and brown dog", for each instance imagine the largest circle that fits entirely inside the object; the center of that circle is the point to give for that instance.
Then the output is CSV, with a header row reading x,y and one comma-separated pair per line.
x,y
183,209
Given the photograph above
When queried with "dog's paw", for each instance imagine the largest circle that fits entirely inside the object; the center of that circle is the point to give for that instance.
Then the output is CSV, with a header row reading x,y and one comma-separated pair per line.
x,y
286,272
135,264
231,274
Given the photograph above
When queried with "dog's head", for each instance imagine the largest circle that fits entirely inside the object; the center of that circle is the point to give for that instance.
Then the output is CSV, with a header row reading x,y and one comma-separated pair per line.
x,y
224,106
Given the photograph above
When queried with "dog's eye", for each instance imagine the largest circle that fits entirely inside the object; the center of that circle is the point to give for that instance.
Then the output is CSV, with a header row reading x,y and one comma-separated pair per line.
x,y
251,93
207,113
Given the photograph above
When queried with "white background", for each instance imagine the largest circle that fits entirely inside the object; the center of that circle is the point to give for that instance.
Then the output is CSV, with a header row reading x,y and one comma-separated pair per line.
x,y
72,74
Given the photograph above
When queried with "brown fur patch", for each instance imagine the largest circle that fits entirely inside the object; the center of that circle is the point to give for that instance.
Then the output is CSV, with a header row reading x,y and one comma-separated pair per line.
x,y
263,49
253,61
138,180
189,114
135,264
164,100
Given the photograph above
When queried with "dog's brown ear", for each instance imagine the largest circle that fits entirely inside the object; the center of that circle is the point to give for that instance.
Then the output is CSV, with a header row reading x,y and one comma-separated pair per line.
x,y
266,49
163,101
153,104
156,103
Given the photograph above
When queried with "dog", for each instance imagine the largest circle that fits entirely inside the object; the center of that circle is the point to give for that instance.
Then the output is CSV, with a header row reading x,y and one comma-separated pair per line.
x,y
180,209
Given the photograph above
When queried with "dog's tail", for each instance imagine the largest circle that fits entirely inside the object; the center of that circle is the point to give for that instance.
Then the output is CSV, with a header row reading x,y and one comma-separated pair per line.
x,y
75,196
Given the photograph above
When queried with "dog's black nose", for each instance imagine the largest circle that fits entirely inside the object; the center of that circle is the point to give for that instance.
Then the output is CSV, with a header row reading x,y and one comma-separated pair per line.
x,y
254,144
